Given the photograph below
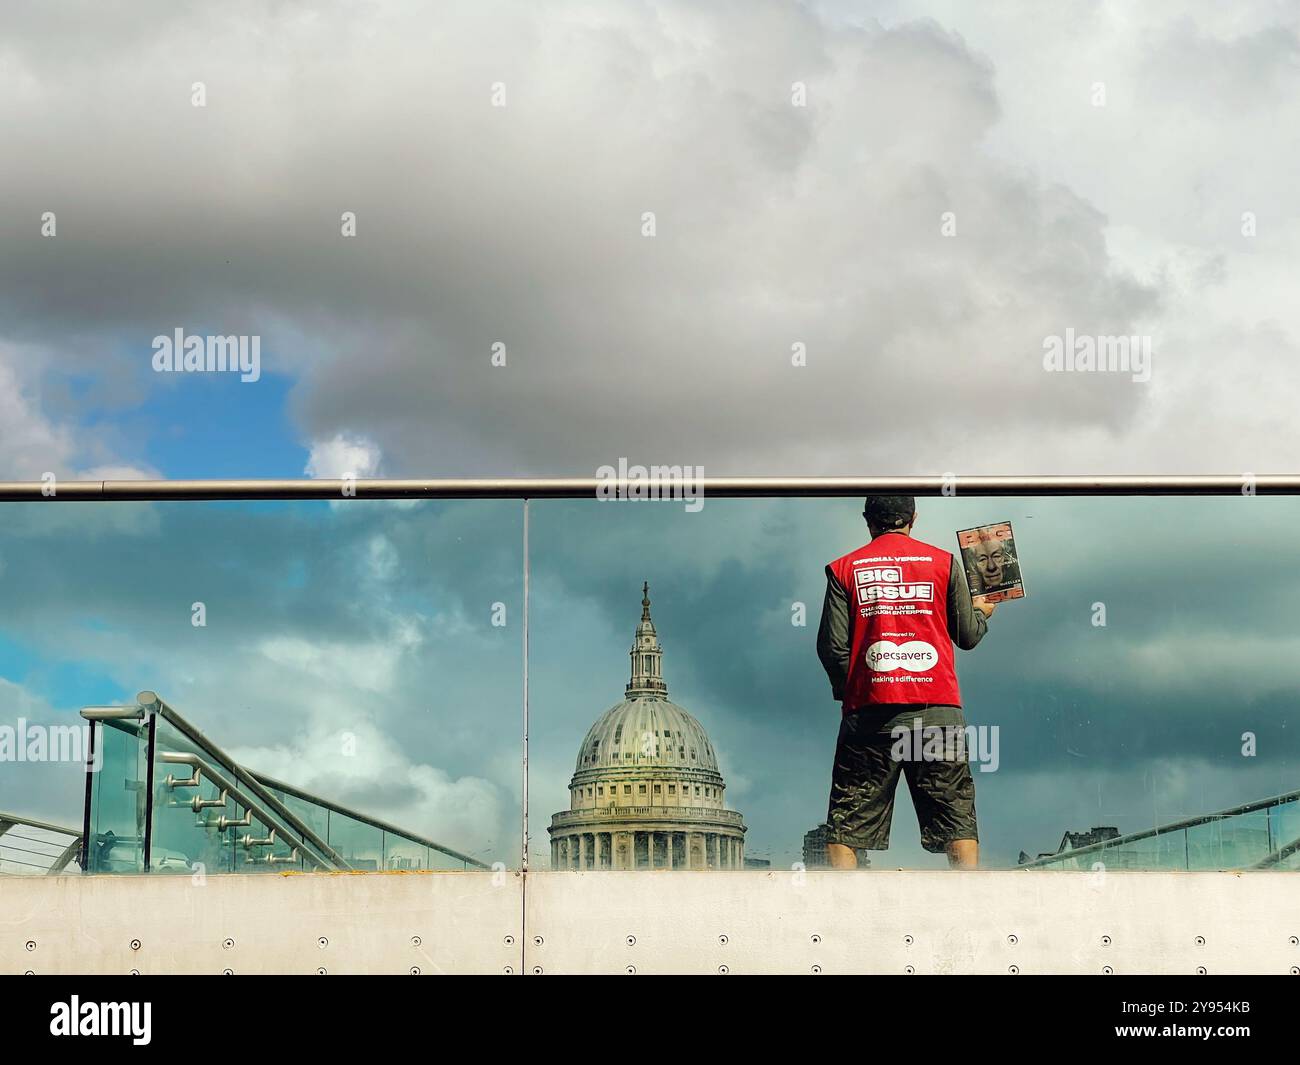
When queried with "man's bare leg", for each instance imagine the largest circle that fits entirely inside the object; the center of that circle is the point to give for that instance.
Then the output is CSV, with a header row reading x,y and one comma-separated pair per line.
x,y
840,856
962,853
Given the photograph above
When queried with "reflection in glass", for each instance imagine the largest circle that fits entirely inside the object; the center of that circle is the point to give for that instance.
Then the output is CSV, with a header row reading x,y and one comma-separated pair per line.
x,y
368,653
1099,729
1257,836
647,792
365,650
118,800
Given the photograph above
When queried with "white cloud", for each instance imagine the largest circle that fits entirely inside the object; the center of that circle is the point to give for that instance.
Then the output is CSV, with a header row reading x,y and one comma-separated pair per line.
x,y
29,441
46,791
357,764
343,455
776,225
33,444
364,667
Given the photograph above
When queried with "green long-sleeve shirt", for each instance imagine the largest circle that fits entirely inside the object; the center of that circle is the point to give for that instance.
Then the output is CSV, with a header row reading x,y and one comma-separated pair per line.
x,y
966,625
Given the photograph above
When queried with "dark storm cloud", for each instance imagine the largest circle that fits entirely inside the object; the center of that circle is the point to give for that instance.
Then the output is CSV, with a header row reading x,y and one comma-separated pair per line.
x,y
776,225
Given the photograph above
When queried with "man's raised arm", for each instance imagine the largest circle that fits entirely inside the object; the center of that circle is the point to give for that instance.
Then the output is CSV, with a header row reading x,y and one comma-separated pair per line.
x,y
967,623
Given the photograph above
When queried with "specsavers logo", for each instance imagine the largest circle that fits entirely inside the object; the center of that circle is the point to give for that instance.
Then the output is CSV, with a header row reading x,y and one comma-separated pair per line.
x,y
916,656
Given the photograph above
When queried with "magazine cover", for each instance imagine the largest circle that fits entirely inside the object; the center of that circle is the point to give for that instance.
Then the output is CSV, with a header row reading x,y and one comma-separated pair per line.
x,y
992,564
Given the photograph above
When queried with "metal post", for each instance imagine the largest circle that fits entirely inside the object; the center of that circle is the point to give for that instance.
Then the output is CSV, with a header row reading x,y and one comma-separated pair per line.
x,y
150,750
524,865
95,726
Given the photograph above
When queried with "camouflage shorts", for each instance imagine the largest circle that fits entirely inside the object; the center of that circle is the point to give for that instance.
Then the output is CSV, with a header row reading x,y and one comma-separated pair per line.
x,y
866,772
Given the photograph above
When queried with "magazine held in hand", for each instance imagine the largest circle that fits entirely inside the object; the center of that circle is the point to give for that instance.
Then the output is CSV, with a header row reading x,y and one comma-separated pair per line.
x,y
992,564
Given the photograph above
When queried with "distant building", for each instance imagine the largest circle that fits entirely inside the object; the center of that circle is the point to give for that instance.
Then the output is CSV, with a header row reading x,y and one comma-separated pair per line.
x,y
1073,841
814,849
646,791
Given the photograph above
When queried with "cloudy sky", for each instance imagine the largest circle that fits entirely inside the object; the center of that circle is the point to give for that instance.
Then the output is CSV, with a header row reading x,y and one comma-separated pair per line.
x,y
757,237
375,620
1096,159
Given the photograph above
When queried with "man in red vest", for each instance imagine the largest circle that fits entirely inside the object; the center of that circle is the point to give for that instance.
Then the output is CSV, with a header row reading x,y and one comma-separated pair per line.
x,y
893,610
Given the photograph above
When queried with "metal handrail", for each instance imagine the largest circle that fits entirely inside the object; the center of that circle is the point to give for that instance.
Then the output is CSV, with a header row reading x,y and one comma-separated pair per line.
x,y
587,487
9,820
1160,830
317,849
113,713
148,699
374,822
270,820
61,860
1275,858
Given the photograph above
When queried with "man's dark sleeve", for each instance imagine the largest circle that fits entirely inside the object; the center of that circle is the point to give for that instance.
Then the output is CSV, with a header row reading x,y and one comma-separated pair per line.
x,y
966,625
833,635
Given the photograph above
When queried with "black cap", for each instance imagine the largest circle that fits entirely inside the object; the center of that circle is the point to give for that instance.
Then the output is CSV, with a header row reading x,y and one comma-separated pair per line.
x,y
889,512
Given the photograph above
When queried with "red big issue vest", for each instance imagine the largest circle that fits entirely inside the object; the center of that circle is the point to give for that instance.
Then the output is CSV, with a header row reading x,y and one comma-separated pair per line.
x,y
900,648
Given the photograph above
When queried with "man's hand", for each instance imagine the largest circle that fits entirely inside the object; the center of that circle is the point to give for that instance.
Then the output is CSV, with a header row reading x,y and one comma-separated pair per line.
x,y
984,608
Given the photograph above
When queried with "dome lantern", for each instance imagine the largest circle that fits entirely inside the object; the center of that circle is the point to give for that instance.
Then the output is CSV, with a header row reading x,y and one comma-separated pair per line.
x,y
647,655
